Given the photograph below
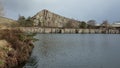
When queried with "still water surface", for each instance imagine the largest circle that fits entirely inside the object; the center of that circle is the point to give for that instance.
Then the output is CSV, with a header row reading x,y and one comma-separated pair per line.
x,y
76,51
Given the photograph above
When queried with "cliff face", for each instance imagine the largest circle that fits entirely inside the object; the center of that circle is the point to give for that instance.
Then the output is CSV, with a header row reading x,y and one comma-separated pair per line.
x,y
46,18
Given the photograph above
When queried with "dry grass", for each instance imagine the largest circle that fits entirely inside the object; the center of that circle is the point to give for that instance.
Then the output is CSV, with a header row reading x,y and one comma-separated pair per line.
x,y
15,49
7,22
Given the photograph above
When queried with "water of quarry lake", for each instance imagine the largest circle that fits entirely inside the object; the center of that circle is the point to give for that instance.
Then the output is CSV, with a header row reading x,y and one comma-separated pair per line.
x,y
76,51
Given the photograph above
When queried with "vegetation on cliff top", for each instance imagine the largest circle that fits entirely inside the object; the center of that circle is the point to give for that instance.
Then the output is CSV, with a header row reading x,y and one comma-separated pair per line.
x,y
25,22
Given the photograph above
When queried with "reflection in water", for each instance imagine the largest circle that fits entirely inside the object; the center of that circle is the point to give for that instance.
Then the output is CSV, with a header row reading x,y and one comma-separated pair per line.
x,y
76,51
32,63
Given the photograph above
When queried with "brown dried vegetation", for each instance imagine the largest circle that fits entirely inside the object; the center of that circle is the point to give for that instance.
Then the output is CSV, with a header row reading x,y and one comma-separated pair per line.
x,y
17,49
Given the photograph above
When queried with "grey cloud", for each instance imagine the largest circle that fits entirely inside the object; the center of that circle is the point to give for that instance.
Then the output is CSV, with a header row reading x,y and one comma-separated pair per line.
x,y
78,9
1,9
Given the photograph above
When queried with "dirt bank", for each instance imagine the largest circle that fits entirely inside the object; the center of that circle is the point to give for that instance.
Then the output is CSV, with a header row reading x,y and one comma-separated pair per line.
x,y
15,48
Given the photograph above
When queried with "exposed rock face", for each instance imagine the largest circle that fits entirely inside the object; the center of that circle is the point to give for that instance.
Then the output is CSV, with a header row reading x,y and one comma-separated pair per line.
x,y
46,18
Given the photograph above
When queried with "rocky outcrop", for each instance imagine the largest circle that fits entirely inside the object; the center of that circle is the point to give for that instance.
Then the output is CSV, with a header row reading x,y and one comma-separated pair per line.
x,y
15,48
69,30
46,18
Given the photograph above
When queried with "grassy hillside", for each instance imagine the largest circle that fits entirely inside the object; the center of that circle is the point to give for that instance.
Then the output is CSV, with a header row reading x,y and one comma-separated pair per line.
x,y
5,22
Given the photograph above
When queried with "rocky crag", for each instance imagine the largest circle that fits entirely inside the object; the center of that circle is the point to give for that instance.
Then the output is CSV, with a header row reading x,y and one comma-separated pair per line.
x,y
46,18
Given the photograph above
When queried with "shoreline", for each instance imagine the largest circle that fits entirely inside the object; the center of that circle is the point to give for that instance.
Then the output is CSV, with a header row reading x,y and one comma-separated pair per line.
x,y
15,48
68,30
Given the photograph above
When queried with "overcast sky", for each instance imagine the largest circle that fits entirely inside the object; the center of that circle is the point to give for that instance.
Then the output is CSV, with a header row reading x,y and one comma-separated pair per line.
x,y
82,10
